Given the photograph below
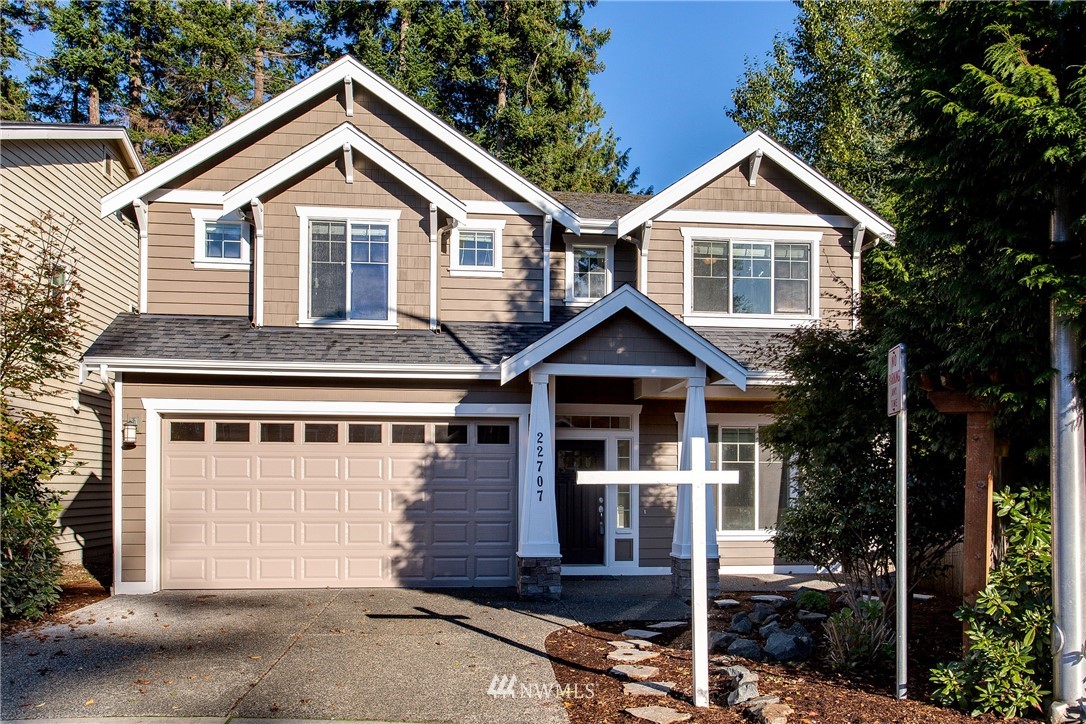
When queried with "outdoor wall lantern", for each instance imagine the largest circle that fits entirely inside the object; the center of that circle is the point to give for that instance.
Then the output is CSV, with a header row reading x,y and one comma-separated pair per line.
x,y
131,427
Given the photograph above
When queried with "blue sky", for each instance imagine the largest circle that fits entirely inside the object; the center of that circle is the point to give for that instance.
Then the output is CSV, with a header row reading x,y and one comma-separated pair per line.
x,y
671,68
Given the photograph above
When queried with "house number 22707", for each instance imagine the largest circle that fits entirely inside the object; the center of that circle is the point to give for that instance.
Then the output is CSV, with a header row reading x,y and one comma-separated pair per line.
x,y
539,465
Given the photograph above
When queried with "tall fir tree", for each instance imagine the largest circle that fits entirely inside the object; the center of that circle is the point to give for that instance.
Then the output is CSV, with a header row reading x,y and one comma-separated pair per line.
x,y
16,16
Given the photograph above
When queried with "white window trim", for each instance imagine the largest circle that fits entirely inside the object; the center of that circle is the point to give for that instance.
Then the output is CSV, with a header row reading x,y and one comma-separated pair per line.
x,y
200,260
721,319
307,214
494,270
719,419
609,264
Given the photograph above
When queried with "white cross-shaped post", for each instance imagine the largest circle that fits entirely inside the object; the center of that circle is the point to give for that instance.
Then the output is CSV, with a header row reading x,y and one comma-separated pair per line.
x,y
697,479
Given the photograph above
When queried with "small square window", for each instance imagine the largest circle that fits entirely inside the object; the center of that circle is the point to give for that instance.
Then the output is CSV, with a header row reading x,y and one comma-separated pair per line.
x,y
476,249
451,434
364,432
277,432
222,240
408,433
187,431
493,434
321,432
231,432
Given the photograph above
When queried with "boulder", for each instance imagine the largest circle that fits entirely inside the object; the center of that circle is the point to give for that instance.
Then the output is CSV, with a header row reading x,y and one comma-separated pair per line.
x,y
741,624
761,612
740,674
769,629
797,629
810,617
720,641
772,714
786,647
742,693
772,599
759,701
746,648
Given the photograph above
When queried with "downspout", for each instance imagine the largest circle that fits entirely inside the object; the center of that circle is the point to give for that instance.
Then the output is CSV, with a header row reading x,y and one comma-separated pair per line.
x,y
140,209
548,227
435,241
857,249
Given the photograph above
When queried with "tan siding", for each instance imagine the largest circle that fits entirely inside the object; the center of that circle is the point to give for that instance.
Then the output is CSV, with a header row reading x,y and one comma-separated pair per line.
x,y
68,177
659,450
375,118
776,191
623,340
515,297
666,267
835,278
746,553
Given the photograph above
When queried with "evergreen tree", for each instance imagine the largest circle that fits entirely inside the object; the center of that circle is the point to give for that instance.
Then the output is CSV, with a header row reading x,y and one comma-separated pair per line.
x,y
15,16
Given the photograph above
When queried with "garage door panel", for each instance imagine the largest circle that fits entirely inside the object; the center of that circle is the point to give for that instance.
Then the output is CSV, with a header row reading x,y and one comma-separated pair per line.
x,y
274,515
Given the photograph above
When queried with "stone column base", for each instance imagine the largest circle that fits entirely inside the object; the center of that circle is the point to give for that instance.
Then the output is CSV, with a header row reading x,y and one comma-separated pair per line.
x,y
539,579
680,577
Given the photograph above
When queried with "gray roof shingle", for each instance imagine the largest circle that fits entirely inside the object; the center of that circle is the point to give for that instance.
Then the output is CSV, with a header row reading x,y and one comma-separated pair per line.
x,y
599,205
233,339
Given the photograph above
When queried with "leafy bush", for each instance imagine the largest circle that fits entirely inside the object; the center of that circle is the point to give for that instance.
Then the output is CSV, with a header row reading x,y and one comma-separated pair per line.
x,y
859,635
29,557
1009,627
813,601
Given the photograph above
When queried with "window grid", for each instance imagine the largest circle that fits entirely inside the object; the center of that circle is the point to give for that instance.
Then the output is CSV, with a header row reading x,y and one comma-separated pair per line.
x,y
356,288
736,449
223,240
623,493
477,249
744,277
589,272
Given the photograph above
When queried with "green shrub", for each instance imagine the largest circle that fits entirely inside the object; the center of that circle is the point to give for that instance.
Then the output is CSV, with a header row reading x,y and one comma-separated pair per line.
x,y
29,557
1009,627
858,635
813,601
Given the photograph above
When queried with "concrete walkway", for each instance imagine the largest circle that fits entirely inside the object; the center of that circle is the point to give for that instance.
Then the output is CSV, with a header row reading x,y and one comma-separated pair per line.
x,y
345,654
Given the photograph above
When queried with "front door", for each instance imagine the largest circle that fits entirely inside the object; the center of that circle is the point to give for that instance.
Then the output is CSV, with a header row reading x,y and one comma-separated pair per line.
x,y
581,532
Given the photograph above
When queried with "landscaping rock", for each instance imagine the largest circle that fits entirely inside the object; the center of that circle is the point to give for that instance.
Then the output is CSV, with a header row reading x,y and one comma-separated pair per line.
x,y
622,644
742,693
726,603
631,656
769,629
640,644
811,617
648,688
639,633
772,618
761,612
719,641
667,624
797,629
772,599
637,673
764,700
657,714
772,714
746,648
741,624
786,647
740,674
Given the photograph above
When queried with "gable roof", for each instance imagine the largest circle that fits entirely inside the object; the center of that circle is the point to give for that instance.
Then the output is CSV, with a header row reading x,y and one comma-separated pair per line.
x,y
626,298
344,135
24,131
748,145
342,70
595,205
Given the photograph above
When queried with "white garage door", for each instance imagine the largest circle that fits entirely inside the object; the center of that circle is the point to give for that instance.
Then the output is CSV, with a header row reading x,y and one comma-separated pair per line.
x,y
314,503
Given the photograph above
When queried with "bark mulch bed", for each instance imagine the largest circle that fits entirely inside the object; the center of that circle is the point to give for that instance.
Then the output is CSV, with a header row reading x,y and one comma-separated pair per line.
x,y
814,692
79,588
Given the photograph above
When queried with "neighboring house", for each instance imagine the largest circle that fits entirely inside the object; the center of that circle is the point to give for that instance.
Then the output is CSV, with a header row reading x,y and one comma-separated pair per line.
x,y
66,170
370,354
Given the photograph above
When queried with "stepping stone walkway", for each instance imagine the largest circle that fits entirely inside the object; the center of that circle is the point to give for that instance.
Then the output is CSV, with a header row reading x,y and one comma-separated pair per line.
x,y
637,673
634,644
631,656
657,714
640,633
773,599
648,688
667,624
726,603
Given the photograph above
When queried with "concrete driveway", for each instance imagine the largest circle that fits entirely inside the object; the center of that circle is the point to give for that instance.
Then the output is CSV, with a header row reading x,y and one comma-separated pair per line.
x,y
375,654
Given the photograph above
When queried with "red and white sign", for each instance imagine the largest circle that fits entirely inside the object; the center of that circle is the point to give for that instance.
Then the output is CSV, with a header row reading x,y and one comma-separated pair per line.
x,y
895,380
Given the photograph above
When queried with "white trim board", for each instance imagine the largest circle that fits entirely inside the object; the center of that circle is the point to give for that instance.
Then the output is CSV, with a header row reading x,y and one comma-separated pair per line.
x,y
770,570
155,408
749,145
334,76
299,369
69,132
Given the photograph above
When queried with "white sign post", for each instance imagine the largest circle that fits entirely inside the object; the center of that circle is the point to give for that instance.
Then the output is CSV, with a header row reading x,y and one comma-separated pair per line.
x,y
699,592
896,407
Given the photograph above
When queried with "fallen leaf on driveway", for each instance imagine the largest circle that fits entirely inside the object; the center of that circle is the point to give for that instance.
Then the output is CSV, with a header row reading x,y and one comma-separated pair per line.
x,y
89,702
143,682
255,658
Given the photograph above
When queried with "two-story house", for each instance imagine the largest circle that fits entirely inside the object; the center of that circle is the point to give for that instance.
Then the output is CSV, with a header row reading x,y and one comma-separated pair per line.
x,y
369,354
65,170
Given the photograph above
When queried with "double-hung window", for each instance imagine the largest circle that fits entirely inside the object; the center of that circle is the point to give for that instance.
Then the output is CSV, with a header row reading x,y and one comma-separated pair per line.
x,y
221,241
589,272
764,490
351,258
734,274
476,249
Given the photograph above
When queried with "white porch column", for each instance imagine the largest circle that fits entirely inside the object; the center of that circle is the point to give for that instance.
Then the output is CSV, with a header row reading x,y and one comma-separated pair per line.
x,y
538,553
695,455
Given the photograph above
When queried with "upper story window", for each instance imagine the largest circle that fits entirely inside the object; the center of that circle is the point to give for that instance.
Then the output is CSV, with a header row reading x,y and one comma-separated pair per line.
x,y
761,278
589,272
222,241
476,249
349,266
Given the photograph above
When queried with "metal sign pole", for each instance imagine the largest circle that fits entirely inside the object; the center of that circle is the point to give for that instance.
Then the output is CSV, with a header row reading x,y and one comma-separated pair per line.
x,y
897,407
